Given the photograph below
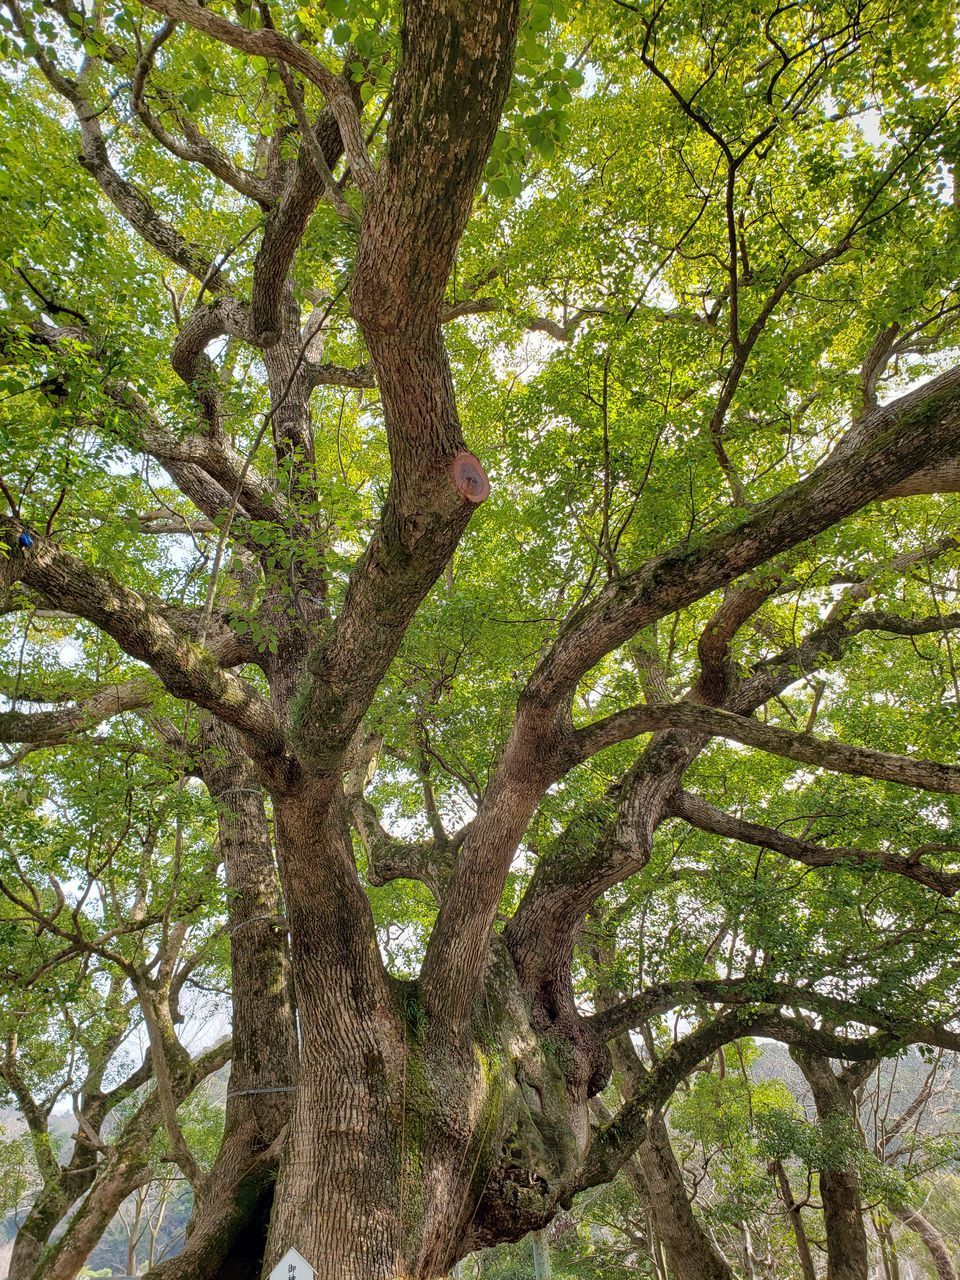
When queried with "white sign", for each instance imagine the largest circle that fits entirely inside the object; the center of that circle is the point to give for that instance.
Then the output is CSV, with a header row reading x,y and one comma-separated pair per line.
x,y
292,1266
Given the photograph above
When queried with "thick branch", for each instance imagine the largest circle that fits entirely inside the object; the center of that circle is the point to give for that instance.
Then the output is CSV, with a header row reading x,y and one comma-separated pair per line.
x,y
893,443
389,858
49,728
706,817
206,323
666,996
335,375
619,1139
268,43
838,757
714,646
186,669
883,450
453,80
286,224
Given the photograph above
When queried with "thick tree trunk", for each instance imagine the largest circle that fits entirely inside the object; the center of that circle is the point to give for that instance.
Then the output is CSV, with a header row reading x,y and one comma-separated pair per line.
x,y
407,1148
228,1231
34,1232
340,1188
847,1251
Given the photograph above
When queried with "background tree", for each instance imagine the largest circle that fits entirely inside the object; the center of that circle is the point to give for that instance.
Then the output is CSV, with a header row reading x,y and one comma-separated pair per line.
x,y
105,947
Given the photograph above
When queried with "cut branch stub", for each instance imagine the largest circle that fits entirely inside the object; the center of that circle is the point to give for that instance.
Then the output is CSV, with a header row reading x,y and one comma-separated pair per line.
x,y
470,478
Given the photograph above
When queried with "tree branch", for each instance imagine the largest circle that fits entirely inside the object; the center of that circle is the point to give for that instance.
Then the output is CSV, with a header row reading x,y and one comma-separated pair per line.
x,y
925,775
880,451
706,817
197,149
50,728
186,669
268,43
630,1014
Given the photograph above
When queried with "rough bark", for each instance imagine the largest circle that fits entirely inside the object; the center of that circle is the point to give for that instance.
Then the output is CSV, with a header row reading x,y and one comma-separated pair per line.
x,y
340,1159
433,1117
690,1252
847,1250
228,1231
406,1150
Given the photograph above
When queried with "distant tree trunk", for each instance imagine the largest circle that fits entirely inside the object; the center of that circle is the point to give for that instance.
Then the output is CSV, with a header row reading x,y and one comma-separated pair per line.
x,y
690,1253
133,1235
807,1268
125,1168
92,1219
847,1249
888,1250
542,1265
63,1185
155,1224
933,1241
749,1256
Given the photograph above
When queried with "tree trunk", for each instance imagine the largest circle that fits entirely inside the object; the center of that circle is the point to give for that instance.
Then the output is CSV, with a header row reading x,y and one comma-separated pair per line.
x,y
34,1232
133,1239
124,1169
63,1186
656,1249
690,1253
542,1265
228,1230
888,1251
847,1250
807,1268
749,1257
341,1180
92,1219
407,1147
934,1242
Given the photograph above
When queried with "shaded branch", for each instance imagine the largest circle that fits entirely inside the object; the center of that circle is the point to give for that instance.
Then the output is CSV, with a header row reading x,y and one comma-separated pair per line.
x,y
197,148
616,1141
630,1014
803,747
706,817
50,728
186,669
268,43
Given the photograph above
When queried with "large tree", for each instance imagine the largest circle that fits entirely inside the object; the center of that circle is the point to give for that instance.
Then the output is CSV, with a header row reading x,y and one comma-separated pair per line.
x,y
689,276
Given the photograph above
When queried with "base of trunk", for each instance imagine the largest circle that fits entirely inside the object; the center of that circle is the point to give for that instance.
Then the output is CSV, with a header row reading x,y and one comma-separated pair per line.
x,y
228,1235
